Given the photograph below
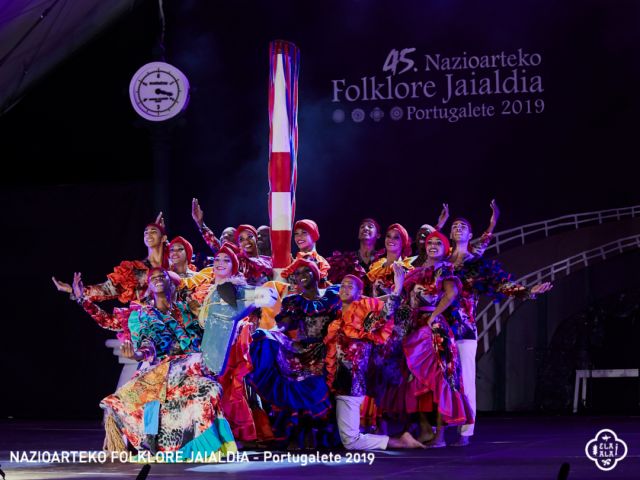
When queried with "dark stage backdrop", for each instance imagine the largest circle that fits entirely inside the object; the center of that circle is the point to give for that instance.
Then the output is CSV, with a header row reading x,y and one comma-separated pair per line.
x,y
403,105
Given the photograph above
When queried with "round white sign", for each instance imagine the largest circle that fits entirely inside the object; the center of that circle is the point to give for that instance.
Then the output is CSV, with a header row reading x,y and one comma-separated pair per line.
x,y
159,91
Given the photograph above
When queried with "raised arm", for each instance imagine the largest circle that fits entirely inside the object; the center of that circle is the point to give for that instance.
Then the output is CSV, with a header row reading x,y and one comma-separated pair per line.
x,y
485,239
444,216
61,286
207,234
495,215
102,291
102,318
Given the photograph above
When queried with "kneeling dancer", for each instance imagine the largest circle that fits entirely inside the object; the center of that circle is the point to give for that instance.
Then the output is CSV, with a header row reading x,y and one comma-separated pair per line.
x,y
363,322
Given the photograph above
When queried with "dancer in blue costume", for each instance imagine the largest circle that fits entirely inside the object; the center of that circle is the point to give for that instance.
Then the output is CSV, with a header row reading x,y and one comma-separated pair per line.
x,y
289,360
227,334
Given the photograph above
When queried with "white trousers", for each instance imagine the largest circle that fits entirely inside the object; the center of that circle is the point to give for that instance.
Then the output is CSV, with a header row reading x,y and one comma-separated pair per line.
x,y
467,350
348,416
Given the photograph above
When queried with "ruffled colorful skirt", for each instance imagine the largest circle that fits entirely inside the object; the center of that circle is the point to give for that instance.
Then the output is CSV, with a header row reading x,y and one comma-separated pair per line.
x,y
171,406
433,361
294,399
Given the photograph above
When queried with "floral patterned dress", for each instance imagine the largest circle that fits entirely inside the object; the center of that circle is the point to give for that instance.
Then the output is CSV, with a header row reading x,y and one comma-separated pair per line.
x,y
420,367
171,404
431,352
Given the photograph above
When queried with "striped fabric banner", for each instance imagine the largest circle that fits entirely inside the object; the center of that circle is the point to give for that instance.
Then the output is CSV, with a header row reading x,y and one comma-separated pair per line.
x,y
283,148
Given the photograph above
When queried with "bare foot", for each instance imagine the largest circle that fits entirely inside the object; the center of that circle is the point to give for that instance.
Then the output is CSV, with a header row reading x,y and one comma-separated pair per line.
x,y
405,440
426,436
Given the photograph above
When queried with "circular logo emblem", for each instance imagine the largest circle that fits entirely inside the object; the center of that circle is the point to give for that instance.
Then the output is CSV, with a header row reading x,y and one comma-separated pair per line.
x,y
396,113
376,114
357,115
338,116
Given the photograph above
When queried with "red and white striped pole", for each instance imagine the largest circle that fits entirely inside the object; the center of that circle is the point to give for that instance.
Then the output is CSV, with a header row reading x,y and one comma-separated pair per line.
x,y
283,148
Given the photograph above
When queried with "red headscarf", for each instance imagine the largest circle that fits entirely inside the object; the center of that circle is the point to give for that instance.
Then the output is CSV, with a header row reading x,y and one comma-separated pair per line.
x,y
230,249
404,235
185,243
302,262
443,239
310,227
242,228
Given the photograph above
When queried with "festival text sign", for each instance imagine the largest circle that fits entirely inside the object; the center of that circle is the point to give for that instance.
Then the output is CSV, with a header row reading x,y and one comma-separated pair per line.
x,y
434,86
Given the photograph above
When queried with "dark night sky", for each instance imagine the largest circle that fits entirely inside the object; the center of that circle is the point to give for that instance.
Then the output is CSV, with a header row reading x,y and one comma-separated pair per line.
x,y
79,188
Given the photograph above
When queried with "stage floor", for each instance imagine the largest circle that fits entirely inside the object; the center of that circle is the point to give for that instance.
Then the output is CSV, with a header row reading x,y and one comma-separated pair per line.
x,y
507,447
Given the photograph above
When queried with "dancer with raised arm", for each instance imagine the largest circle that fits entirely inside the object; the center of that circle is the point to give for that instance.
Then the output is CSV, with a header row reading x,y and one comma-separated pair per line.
x,y
228,234
461,235
479,277
171,404
128,281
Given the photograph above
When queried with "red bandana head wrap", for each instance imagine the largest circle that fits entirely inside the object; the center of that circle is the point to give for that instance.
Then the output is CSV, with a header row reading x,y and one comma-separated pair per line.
x,y
443,239
230,249
406,242
185,243
242,228
302,262
310,227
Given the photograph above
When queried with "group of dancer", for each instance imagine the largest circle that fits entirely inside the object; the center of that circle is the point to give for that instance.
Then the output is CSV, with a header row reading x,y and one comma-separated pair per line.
x,y
371,348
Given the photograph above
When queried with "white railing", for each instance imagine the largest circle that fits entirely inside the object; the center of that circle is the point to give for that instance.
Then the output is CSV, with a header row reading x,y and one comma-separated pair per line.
x,y
576,220
491,315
